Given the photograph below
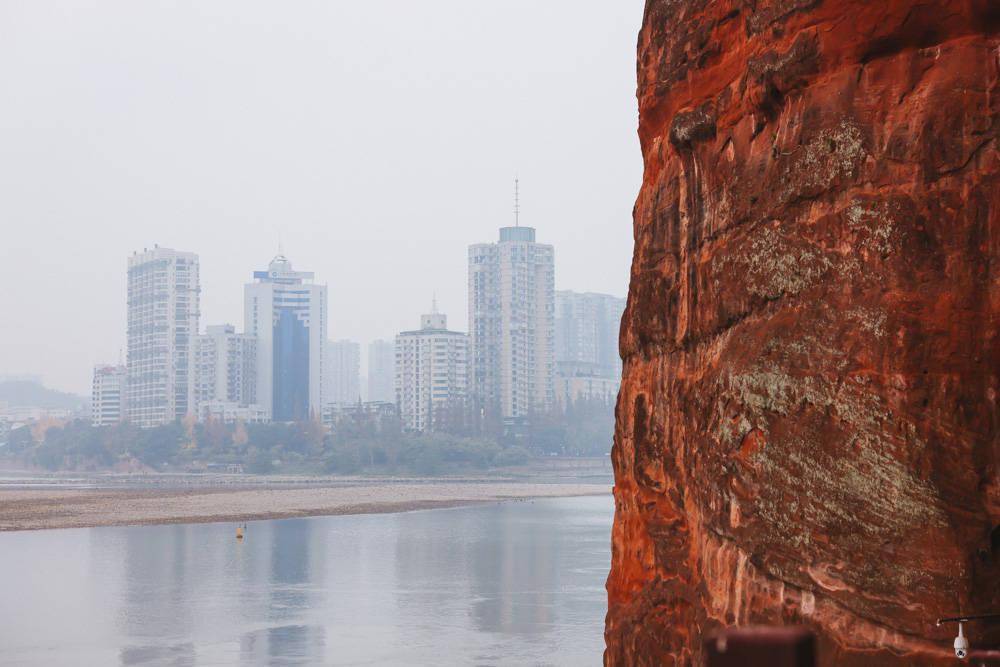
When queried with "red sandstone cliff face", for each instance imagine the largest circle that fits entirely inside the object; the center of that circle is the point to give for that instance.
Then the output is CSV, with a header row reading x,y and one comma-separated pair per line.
x,y
808,424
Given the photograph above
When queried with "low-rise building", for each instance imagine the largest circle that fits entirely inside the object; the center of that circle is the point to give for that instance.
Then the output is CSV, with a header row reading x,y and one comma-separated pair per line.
x,y
229,412
22,415
380,412
580,381
108,395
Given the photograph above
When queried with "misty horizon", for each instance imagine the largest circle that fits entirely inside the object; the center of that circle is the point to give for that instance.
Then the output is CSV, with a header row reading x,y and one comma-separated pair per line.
x,y
227,130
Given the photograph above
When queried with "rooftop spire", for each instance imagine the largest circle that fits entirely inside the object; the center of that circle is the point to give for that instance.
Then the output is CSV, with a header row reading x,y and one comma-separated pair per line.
x,y
517,202
434,303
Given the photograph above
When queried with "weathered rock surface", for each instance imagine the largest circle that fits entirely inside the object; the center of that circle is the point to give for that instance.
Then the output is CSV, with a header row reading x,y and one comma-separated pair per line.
x,y
808,427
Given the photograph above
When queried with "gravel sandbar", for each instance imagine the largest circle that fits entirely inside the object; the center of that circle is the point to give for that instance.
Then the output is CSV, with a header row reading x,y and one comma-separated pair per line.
x,y
35,509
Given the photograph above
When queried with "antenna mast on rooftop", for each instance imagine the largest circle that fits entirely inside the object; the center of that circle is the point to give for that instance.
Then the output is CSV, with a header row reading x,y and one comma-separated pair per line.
x,y
517,202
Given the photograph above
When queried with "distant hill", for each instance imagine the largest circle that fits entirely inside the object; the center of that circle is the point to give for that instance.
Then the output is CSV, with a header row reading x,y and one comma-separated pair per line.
x,y
24,393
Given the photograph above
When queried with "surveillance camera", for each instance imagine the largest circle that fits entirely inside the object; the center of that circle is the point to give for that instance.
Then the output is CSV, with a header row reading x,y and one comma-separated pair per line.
x,y
961,644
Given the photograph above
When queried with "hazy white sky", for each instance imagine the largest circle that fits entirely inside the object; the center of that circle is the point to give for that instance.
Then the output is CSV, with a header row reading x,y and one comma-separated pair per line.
x,y
377,138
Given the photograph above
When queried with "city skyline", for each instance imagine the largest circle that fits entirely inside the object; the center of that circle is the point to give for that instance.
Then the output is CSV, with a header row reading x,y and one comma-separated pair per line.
x,y
272,126
523,339
206,322
238,316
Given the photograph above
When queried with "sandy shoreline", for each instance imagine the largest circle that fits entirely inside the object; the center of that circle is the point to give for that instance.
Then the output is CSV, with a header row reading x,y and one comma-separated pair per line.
x,y
37,509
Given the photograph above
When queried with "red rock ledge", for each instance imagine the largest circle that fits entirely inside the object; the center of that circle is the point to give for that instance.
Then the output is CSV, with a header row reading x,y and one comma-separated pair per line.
x,y
808,423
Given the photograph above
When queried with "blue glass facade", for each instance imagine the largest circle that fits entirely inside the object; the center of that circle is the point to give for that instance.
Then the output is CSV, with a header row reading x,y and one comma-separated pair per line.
x,y
291,367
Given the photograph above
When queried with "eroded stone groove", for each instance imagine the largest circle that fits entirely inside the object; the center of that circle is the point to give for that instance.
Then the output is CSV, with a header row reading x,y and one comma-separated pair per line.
x,y
808,427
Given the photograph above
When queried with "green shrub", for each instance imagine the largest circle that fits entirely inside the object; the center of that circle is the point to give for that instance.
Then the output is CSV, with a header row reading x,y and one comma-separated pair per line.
x,y
511,456
261,463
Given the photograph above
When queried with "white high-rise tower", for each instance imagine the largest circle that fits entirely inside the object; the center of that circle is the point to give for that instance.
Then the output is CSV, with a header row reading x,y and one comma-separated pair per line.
x,y
286,313
512,324
163,311
225,364
381,371
587,332
342,376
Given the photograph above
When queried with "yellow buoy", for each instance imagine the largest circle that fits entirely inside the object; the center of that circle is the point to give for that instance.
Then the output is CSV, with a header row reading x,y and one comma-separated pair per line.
x,y
239,532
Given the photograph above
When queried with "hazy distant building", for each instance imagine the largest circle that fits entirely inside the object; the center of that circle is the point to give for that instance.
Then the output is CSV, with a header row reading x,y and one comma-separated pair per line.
x,y
225,365
19,415
512,324
29,378
578,382
107,395
287,314
228,411
587,332
163,303
431,372
382,371
374,413
343,374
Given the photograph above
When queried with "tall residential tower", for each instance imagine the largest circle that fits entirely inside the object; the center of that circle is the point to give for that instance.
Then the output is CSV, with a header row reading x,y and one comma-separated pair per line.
x,y
587,332
225,368
287,314
512,325
381,371
163,301
343,372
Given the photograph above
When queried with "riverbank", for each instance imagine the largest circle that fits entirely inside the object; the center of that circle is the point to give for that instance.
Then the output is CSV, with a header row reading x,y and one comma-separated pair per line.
x,y
59,507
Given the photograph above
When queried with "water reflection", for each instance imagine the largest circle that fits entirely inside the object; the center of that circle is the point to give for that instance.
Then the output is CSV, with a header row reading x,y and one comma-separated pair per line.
x,y
515,582
181,655
284,645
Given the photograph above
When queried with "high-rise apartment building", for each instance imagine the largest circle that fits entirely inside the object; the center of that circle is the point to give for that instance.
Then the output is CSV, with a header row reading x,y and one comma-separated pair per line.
x,y
431,372
107,397
343,372
512,324
287,314
587,332
163,311
225,368
382,371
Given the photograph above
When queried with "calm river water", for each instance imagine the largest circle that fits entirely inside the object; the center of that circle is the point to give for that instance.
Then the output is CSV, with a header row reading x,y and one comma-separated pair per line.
x,y
518,583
